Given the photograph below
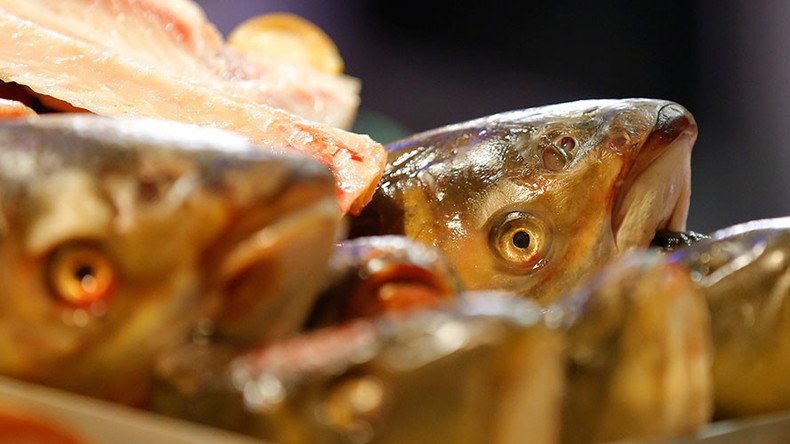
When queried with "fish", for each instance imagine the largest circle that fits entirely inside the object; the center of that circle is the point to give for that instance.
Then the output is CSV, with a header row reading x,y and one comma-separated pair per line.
x,y
121,239
639,353
471,372
375,275
595,366
629,356
744,273
165,60
531,201
721,306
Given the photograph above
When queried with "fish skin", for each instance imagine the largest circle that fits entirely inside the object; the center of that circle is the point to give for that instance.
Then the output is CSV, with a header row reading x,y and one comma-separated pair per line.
x,y
190,221
451,187
744,273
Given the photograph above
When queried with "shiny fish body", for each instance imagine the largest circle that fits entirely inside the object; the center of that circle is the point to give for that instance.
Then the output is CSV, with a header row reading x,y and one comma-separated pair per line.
x,y
708,325
119,238
530,201
595,366
744,273
638,353
644,349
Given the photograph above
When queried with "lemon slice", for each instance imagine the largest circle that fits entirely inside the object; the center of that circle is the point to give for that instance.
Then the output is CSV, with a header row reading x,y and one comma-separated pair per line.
x,y
289,37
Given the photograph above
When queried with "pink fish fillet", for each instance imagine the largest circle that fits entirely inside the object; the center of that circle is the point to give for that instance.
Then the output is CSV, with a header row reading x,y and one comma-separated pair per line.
x,y
163,59
11,109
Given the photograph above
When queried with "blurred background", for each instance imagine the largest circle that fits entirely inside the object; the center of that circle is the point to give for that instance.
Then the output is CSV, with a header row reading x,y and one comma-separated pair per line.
x,y
428,63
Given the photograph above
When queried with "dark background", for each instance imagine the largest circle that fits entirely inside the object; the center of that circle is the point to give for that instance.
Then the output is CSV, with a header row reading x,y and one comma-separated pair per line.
x,y
428,63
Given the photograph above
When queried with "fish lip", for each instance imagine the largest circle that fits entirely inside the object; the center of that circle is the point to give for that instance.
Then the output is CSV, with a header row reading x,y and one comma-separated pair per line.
x,y
655,191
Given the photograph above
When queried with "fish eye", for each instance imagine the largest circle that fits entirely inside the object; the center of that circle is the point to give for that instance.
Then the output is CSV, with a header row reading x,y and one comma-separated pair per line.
x,y
519,240
80,274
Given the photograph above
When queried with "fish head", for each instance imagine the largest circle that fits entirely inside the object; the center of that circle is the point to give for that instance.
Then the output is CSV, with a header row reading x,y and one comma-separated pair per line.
x,y
530,201
386,379
636,312
118,238
743,272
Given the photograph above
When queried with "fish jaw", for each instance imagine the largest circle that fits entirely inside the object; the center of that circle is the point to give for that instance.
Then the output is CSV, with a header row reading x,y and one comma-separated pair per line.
x,y
656,188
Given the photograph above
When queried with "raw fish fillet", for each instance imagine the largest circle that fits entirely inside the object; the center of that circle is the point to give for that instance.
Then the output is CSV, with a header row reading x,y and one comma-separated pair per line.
x,y
10,109
163,59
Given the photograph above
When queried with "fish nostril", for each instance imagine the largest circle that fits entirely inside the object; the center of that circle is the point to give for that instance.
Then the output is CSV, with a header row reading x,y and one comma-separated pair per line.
x,y
671,122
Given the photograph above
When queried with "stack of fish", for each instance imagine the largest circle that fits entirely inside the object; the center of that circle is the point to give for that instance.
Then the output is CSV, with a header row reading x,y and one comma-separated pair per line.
x,y
499,286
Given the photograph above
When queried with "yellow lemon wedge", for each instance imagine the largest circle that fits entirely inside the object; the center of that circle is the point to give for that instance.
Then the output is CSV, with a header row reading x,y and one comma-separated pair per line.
x,y
290,37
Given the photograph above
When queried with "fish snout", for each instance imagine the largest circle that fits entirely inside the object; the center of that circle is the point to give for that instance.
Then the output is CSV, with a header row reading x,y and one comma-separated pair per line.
x,y
636,126
672,121
655,183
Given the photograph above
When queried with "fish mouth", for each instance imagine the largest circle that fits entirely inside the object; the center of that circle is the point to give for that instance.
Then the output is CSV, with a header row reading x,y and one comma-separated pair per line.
x,y
655,192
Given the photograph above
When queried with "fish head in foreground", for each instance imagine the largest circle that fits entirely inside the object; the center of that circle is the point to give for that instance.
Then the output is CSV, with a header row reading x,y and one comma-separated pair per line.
x,y
529,201
385,380
638,354
119,237
744,273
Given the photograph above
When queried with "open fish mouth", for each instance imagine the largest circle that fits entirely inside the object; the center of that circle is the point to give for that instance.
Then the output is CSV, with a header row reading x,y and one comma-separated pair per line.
x,y
655,192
